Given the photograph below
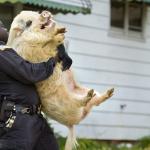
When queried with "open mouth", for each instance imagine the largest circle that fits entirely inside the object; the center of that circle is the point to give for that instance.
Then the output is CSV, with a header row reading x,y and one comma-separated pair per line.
x,y
47,23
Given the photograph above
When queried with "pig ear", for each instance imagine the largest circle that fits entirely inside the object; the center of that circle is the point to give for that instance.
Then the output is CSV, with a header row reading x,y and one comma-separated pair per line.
x,y
16,30
19,27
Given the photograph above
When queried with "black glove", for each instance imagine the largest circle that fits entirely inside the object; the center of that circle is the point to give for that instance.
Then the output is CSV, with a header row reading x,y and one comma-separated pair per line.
x,y
63,56
50,65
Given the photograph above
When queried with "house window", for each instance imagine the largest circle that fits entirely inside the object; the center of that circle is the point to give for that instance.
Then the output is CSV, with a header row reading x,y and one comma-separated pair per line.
x,y
127,17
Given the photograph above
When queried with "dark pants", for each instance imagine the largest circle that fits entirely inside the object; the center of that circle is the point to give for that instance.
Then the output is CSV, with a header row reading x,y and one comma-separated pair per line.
x,y
47,141
33,134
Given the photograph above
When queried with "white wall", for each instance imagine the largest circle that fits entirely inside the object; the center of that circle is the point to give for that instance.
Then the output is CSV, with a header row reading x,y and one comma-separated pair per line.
x,y
102,61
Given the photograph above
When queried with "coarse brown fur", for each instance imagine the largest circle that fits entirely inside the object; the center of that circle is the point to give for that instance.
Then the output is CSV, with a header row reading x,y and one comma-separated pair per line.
x,y
62,98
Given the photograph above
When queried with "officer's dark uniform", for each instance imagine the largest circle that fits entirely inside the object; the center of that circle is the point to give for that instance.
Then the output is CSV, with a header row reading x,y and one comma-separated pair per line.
x,y
29,130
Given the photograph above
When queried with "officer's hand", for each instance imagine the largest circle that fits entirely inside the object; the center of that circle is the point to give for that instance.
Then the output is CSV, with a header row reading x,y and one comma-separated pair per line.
x,y
57,58
63,57
61,52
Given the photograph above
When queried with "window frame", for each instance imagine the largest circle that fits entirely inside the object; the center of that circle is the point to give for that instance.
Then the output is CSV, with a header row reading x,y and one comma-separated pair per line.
x,y
125,32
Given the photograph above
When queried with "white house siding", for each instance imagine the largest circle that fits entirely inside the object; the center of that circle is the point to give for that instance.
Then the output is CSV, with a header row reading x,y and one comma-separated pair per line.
x,y
102,61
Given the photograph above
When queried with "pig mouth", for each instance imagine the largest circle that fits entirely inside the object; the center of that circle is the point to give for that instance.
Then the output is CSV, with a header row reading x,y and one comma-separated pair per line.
x,y
46,24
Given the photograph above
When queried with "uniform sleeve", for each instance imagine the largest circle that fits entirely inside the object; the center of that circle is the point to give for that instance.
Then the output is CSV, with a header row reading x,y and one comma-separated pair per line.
x,y
64,57
16,67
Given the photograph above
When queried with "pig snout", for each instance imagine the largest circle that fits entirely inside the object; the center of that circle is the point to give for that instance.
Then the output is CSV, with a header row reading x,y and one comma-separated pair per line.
x,y
45,15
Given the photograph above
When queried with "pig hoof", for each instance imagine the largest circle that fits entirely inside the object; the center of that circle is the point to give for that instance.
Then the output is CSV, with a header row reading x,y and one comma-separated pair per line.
x,y
109,93
89,96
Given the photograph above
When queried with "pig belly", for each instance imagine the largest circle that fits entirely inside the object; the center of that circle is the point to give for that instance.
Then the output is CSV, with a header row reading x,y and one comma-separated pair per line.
x,y
62,111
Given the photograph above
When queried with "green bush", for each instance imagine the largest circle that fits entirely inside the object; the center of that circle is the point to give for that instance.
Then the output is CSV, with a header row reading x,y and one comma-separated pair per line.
x,y
144,142
84,144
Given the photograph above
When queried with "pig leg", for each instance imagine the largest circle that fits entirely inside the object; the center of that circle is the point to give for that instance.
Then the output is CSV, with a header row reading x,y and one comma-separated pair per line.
x,y
89,96
97,100
82,101
78,90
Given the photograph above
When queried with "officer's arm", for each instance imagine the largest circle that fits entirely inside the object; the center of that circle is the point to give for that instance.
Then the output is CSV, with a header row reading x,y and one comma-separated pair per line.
x,y
15,66
64,57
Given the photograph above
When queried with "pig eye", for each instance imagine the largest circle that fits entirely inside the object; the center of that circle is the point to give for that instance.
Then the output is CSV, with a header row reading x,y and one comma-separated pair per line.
x,y
28,23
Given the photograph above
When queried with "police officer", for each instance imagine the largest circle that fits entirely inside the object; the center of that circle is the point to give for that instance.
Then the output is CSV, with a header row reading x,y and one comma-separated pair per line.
x,y
3,33
22,127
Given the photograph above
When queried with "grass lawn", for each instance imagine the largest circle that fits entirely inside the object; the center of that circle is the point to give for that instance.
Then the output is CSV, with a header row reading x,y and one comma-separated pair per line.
x,y
142,144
